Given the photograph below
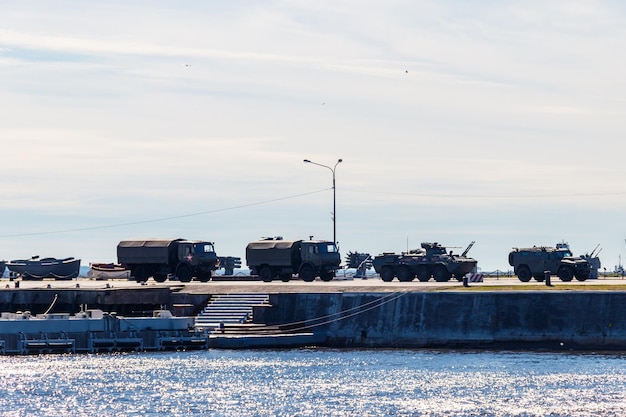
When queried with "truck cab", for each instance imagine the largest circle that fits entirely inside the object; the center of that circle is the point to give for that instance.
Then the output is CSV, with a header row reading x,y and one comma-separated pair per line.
x,y
319,253
196,252
196,257
323,256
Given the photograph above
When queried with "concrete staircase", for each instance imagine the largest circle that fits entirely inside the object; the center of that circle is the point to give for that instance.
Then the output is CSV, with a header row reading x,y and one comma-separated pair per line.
x,y
228,320
229,310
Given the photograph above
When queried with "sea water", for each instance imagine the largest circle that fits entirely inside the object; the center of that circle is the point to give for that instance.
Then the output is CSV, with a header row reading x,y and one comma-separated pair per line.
x,y
315,382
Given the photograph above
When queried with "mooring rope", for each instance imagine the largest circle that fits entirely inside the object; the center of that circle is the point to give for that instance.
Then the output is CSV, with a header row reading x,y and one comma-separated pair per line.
x,y
380,303
56,297
341,315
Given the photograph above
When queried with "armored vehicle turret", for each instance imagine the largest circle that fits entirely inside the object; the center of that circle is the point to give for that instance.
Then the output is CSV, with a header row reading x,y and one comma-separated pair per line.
x,y
539,261
431,260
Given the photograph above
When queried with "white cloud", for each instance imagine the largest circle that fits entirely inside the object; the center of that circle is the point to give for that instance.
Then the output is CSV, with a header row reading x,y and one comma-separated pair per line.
x,y
480,121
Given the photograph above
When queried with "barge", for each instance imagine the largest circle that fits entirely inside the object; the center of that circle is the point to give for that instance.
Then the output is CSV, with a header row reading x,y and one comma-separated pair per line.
x,y
93,331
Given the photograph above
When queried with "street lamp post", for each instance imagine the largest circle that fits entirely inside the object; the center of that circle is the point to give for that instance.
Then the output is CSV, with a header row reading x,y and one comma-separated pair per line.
x,y
334,194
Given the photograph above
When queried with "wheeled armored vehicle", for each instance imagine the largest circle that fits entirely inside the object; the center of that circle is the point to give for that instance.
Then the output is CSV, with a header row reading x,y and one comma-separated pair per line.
x,y
539,261
431,260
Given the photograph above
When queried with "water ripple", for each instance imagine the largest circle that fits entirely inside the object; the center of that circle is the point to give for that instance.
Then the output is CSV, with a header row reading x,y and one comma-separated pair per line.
x,y
314,382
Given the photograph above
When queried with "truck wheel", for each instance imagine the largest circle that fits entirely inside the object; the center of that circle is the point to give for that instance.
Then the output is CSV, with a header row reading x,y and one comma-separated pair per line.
x,y
523,273
204,276
266,274
405,274
386,274
307,274
441,274
160,277
327,276
183,272
141,274
565,274
540,277
285,277
581,277
423,273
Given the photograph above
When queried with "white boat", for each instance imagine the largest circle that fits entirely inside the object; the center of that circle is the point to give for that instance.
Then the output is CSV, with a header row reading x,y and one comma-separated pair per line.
x,y
107,271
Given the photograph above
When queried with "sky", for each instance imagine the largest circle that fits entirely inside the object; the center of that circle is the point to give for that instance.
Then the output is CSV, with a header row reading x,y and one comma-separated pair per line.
x,y
498,122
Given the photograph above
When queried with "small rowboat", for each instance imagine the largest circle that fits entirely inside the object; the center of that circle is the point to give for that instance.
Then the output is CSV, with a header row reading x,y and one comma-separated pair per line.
x,y
106,271
40,268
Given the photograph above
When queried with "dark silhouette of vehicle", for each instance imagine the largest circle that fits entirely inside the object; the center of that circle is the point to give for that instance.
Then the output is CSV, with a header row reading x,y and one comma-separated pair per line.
x,y
431,260
594,262
362,262
271,258
541,261
160,258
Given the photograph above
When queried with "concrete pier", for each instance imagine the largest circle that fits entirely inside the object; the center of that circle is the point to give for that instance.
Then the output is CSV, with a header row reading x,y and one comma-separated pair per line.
x,y
590,315
551,320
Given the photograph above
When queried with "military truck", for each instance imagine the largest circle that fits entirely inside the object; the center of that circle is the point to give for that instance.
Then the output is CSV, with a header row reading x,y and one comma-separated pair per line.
x,y
271,258
159,258
539,260
431,260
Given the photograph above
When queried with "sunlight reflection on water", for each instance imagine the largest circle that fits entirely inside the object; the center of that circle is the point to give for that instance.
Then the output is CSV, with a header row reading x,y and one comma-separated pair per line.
x,y
314,382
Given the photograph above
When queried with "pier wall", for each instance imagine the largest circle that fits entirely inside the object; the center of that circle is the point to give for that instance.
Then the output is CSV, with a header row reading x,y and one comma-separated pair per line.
x,y
553,320
122,301
499,319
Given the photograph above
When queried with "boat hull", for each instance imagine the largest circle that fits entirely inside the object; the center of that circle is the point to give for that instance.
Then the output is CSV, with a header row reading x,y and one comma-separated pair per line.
x,y
107,271
35,268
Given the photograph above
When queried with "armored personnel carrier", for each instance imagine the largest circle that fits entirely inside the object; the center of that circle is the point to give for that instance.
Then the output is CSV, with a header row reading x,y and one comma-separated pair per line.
x,y
431,260
538,261
387,263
